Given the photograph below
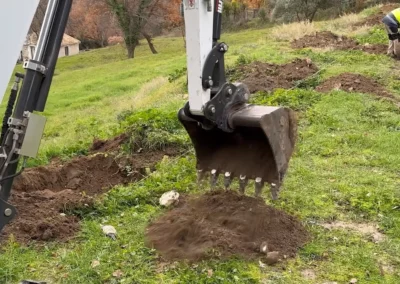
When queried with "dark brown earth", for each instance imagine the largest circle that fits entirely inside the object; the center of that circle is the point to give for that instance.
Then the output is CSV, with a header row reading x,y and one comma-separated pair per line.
x,y
329,39
376,19
109,145
220,224
350,82
262,76
43,194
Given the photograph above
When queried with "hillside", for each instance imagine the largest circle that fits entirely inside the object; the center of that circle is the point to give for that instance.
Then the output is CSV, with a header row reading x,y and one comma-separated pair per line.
x,y
113,146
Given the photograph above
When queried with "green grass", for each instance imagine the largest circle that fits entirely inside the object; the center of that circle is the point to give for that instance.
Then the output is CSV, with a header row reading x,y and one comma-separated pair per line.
x,y
345,167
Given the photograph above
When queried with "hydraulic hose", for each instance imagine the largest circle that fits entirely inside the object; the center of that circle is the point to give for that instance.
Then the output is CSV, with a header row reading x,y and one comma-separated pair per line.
x,y
9,110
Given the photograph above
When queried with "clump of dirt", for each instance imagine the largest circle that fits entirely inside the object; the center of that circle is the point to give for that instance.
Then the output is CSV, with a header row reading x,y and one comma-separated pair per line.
x,y
110,145
43,194
376,19
262,76
355,83
329,39
222,224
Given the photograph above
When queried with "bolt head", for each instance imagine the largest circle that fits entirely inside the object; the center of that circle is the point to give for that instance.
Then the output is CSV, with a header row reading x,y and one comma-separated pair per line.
x,y
230,91
212,109
7,212
211,83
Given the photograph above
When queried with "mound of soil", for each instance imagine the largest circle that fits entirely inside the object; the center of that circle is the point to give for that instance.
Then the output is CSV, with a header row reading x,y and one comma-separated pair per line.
x,y
109,145
42,194
376,19
329,39
355,83
261,76
222,224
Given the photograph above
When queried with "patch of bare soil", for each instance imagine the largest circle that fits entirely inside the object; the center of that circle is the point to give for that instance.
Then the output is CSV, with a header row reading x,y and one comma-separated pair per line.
x,y
369,230
224,223
376,19
350,82
329,39
262,76
42,194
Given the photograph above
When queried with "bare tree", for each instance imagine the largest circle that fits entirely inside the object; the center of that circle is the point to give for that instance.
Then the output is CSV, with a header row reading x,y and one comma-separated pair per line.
x,y
133,18
38,18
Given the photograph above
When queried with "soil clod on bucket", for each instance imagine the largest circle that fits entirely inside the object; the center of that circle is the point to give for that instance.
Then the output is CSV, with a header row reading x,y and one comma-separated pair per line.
x,y
222,224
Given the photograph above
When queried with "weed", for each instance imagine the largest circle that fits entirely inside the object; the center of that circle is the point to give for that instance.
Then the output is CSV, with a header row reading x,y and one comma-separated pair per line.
x,y
374,36
177,74
289,32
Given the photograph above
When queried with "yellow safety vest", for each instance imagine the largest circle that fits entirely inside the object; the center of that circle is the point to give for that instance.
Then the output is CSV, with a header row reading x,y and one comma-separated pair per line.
x,y
396,14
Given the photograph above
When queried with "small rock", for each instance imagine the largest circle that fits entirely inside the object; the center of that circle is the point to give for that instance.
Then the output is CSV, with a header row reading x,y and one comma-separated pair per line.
x,y
264,247
63,214
74,183
117,273
169,198
272,257
353,281
110,231
308,274
95,263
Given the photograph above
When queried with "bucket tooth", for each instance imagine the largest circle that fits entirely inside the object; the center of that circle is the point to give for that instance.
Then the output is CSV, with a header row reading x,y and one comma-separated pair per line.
x,y
214,178
227,180
275,188
200,176
243,181
259,184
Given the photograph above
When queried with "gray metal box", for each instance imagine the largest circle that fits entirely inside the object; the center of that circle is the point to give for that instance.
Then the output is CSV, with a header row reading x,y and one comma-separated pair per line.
x,y
33,136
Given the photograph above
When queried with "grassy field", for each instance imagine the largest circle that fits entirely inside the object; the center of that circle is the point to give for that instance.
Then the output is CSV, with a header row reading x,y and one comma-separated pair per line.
x,y
345,168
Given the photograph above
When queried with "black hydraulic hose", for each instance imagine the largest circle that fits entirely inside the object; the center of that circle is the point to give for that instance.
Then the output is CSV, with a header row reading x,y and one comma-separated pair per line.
x,y
8,112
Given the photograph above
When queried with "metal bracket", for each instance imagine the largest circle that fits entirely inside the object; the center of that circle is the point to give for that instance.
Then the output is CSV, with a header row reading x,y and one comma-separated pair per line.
x,y
7,213
35,66
214,68
229,99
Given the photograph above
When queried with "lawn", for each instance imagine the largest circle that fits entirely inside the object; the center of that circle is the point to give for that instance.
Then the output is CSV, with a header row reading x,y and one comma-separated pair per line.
x,y
345,167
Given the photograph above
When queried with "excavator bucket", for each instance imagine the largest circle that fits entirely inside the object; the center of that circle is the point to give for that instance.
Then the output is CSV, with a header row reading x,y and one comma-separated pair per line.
x,y
259,148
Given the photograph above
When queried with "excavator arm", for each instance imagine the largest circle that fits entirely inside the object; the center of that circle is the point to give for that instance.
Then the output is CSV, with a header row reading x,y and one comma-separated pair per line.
x,y
231,137
22,127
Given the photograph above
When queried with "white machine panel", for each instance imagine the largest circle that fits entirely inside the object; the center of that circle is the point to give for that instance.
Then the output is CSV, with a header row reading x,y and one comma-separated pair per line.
x,y
199,30
15,19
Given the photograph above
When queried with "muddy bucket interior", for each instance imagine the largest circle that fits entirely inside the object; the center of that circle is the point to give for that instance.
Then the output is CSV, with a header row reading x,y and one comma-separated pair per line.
x,y
260,146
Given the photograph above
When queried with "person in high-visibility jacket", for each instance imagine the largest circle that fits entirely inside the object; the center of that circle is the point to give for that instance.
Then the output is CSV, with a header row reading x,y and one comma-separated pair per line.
x,y
392,24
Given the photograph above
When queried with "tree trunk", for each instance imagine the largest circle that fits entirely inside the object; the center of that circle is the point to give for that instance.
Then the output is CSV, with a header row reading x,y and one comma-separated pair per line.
x,y
150,42
131,50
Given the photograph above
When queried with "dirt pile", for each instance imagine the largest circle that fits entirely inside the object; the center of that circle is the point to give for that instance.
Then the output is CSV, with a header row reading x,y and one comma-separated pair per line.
x,y
262,76
376,19
350,82
43,195
109,145
221,224
329,39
